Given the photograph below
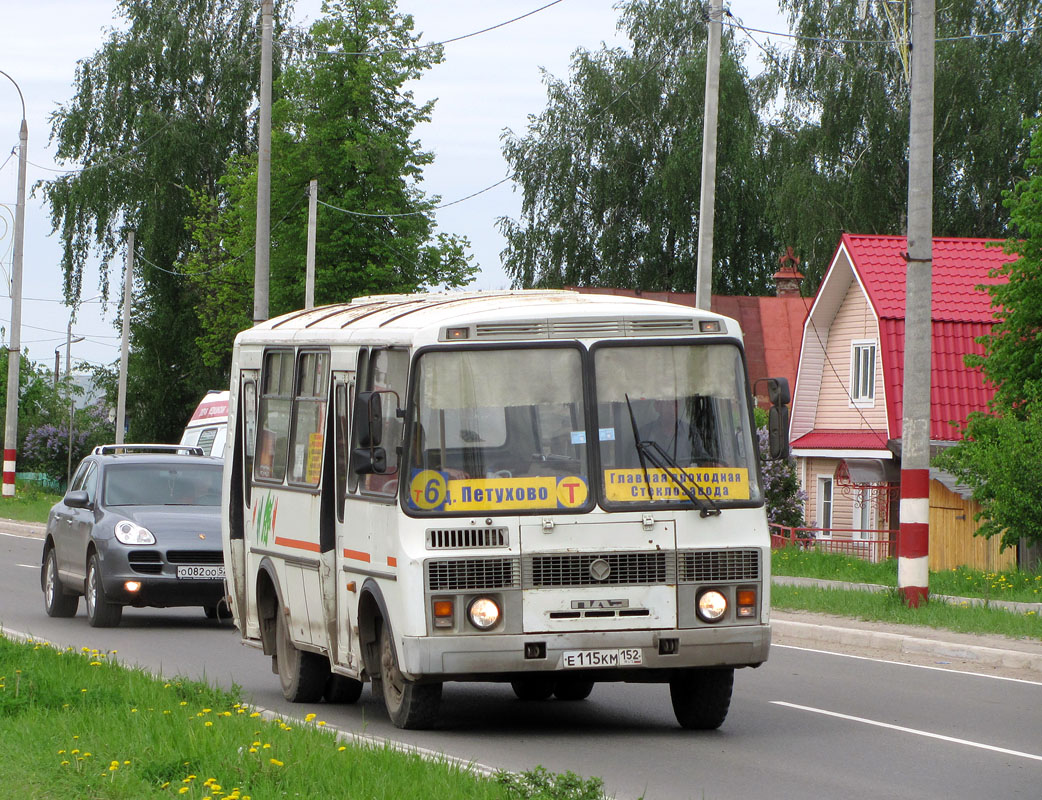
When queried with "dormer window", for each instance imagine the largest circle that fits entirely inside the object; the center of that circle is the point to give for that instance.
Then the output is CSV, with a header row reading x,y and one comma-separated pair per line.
x,y
863,372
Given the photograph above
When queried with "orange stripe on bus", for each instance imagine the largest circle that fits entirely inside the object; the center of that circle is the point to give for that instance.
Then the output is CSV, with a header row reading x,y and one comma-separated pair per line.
x,y
392,561
297,544
357,555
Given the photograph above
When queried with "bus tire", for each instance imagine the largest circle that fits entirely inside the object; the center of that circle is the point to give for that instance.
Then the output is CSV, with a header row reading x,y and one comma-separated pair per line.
x,y
533,687
412,706
573,689
342,689
701,697
303,675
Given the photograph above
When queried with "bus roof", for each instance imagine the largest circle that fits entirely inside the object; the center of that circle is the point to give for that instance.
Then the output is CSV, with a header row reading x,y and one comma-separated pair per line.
x,y
485,316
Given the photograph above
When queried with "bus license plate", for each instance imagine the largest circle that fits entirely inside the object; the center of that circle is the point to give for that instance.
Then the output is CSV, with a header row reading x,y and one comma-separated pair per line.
x,y
201,572
624,657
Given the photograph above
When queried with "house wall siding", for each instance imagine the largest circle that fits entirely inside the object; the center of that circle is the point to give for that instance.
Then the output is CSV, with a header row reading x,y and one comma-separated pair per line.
x,y
853,321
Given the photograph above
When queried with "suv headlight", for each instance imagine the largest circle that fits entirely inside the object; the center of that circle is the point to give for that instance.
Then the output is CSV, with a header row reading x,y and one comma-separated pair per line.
x,y
131,533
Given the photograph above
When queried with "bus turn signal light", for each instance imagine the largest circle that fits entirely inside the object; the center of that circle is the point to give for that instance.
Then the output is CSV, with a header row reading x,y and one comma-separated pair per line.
x,y
443,613
746,602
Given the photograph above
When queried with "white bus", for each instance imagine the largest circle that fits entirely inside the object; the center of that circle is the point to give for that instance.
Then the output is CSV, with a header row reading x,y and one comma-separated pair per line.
x,y
544,488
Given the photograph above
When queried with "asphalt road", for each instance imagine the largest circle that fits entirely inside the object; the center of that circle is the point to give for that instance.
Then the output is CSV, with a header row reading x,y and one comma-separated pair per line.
x,y
808,724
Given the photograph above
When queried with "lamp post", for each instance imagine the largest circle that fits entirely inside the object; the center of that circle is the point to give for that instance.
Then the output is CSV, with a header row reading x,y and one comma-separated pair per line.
x,y
15,346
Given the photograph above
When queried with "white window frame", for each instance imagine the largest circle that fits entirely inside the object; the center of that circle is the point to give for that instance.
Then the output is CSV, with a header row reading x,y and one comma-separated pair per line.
x,y
859,398
824,506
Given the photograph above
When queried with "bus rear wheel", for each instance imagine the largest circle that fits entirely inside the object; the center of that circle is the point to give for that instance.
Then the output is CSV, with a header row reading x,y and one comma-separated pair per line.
x,y
701,697
533,687
412,706
303,675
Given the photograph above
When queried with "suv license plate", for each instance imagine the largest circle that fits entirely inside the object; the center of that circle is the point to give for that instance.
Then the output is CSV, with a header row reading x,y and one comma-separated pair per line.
x,y
201,573
624,657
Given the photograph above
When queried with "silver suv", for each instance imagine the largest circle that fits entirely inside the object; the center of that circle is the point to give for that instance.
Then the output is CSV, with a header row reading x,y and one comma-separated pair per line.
x,y
139,526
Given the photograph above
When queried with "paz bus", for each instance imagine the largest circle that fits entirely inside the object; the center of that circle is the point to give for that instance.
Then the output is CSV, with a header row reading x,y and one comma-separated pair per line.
x,y
544,488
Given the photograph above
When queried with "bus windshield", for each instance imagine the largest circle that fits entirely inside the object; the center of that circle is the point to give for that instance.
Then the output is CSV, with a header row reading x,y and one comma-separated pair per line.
x,y
498,430
670,417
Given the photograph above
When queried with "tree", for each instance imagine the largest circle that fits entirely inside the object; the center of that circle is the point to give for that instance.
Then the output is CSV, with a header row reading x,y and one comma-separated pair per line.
x,y
609,171
781,481
840,144
157,113
998,456
343,118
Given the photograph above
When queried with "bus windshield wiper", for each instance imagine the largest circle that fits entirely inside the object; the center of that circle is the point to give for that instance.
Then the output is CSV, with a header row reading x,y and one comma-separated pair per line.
x,y
650,450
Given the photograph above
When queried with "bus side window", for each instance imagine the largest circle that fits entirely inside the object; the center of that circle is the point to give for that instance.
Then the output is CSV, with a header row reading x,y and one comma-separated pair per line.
x,y
274,418
387,369
249,435
309,412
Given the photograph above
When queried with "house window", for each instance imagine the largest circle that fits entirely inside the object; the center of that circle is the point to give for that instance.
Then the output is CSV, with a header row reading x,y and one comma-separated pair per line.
x,y
825,506
863,372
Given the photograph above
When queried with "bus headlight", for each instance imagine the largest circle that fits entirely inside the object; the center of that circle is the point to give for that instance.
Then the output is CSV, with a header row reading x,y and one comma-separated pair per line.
x,y
712,605
484,613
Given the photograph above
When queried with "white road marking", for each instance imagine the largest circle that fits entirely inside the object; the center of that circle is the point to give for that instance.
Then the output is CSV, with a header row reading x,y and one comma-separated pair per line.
x,y
902,729
906,664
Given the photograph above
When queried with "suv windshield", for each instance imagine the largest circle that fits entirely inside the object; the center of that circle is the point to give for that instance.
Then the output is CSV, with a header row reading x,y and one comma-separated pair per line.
x,y
498,430
687,406
162,485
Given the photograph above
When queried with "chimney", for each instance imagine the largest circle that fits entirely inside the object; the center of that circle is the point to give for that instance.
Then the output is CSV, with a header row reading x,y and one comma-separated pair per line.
x,y
788,278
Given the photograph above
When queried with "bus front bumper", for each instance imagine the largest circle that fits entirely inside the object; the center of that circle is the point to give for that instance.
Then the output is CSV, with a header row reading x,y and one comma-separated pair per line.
x,y
662,652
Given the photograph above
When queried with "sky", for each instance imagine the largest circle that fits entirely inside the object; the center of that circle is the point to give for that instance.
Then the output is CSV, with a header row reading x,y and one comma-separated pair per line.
x,y
487,83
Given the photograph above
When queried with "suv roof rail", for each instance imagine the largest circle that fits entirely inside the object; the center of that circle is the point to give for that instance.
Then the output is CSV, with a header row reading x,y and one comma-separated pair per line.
x,y
111,449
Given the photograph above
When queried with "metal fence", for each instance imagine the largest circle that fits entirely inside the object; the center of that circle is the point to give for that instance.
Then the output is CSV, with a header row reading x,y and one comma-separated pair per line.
x,y
870,545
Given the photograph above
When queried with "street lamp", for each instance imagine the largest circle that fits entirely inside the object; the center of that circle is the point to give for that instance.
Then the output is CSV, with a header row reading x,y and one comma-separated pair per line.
x,y
14,348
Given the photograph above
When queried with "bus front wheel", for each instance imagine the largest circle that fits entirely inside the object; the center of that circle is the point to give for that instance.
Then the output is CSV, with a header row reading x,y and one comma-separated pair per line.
x,y
701,697
412,706
303,675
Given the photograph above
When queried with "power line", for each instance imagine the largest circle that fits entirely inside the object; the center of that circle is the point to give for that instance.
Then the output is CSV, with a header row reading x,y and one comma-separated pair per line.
x,y
377,53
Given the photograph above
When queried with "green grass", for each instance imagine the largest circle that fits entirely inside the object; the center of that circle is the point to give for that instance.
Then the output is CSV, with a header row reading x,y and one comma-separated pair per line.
x,y
86,726
1014,585
29,504
890,607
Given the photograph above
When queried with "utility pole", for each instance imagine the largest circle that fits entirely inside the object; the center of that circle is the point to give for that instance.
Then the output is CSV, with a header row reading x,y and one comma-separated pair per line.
x,y
263,236
913,570
707,203
309,289
14,355
124,348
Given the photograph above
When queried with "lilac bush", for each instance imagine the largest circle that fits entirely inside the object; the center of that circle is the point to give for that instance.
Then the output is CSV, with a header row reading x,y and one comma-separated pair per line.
x,y
46,449
781,487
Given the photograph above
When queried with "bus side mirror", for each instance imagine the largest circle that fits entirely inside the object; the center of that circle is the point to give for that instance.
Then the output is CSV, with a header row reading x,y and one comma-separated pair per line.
x,y
369,422
778,418
369,460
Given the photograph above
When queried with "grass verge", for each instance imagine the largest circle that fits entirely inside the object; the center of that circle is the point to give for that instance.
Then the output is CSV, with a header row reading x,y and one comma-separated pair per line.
x,y
890,607
29,504
79,724
1014,585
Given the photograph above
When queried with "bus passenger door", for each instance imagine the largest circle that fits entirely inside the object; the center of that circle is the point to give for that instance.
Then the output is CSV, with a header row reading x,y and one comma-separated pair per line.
x,y
345,591
240,500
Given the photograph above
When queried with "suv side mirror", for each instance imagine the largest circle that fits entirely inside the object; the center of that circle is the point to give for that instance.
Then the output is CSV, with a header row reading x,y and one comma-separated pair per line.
x,y
77,498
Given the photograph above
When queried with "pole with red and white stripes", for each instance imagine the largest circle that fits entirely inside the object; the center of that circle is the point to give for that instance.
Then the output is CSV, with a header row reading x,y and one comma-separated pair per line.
x,y
914,543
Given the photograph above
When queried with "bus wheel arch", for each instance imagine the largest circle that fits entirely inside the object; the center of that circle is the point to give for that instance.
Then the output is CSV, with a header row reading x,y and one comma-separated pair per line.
x,y
269,601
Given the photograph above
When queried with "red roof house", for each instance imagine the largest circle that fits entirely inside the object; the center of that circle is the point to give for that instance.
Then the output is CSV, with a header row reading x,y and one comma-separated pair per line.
x,y
847,404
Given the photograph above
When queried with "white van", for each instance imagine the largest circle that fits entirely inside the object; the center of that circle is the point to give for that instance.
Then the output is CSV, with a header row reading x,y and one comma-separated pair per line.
x,y
209,424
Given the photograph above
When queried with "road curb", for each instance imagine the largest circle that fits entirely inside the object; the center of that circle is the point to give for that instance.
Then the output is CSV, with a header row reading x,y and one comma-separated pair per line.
x,y
35,530
825,636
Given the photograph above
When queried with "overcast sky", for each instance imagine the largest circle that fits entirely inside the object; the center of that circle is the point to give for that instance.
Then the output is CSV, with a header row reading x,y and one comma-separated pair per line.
x,y
487,83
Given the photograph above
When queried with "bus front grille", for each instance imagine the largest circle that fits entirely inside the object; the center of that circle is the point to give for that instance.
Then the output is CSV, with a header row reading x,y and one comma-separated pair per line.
x,y
470,574
545,570
714,566
466,538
